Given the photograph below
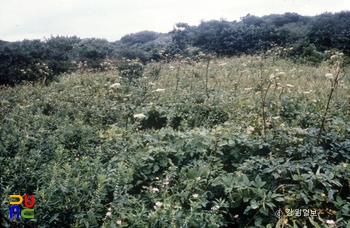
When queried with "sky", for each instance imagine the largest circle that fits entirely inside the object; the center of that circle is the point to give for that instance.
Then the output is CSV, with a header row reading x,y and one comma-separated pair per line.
x,y
112,19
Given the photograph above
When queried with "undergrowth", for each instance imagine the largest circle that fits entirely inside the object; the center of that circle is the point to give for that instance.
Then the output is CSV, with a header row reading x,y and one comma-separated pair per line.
x,y
206,142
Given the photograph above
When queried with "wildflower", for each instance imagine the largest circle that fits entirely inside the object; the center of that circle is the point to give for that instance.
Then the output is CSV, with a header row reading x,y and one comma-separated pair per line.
x,y
236,216
281,74
115,86
345,165
155,190
330,222
198,178
250,129
159,90
140,115
77,159
195,196
329,76
159,204
272,76
215,208
108,213
166,182
119,222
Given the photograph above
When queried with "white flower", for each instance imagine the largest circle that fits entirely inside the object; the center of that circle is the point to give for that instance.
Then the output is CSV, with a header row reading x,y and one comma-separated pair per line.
x,y
158,204
119,222
215,208
250,129
329,76
155,190
115,86
281,73
198,178
195,196
159,90
140,115
272,76
108,213
330,222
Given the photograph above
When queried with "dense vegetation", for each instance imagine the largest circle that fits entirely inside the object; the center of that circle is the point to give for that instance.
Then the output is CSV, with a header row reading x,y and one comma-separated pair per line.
x,y
306,37
192,142
225,124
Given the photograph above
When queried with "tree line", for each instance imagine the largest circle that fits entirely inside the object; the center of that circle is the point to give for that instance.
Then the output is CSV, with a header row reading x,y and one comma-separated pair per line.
x,y
305,37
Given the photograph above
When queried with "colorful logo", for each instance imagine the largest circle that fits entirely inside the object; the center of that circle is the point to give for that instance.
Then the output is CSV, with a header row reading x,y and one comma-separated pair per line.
x,y
26,212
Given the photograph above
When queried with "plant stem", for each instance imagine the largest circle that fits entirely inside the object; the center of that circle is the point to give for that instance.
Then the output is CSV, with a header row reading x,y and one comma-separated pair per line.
x,y
334,83
206,78
177,77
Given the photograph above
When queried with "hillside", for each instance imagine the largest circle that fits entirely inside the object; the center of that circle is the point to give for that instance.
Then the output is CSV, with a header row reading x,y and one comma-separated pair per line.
x,y
306,38
190,142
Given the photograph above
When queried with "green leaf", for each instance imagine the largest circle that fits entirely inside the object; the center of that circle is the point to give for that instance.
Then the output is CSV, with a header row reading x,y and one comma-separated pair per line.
x,y
53,218
254,204
279,199
271,205
258,182
313,223
330,194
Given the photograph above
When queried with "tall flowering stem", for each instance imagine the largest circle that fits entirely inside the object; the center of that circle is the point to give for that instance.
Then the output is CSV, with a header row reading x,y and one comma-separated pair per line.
x,y
208,58
263,96
334,84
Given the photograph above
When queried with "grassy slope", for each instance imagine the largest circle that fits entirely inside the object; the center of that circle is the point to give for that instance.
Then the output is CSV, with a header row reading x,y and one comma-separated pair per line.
x,y
78,147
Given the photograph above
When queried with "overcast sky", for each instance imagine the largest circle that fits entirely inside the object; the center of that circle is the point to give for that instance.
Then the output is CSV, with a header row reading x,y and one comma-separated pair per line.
x,y
112,19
